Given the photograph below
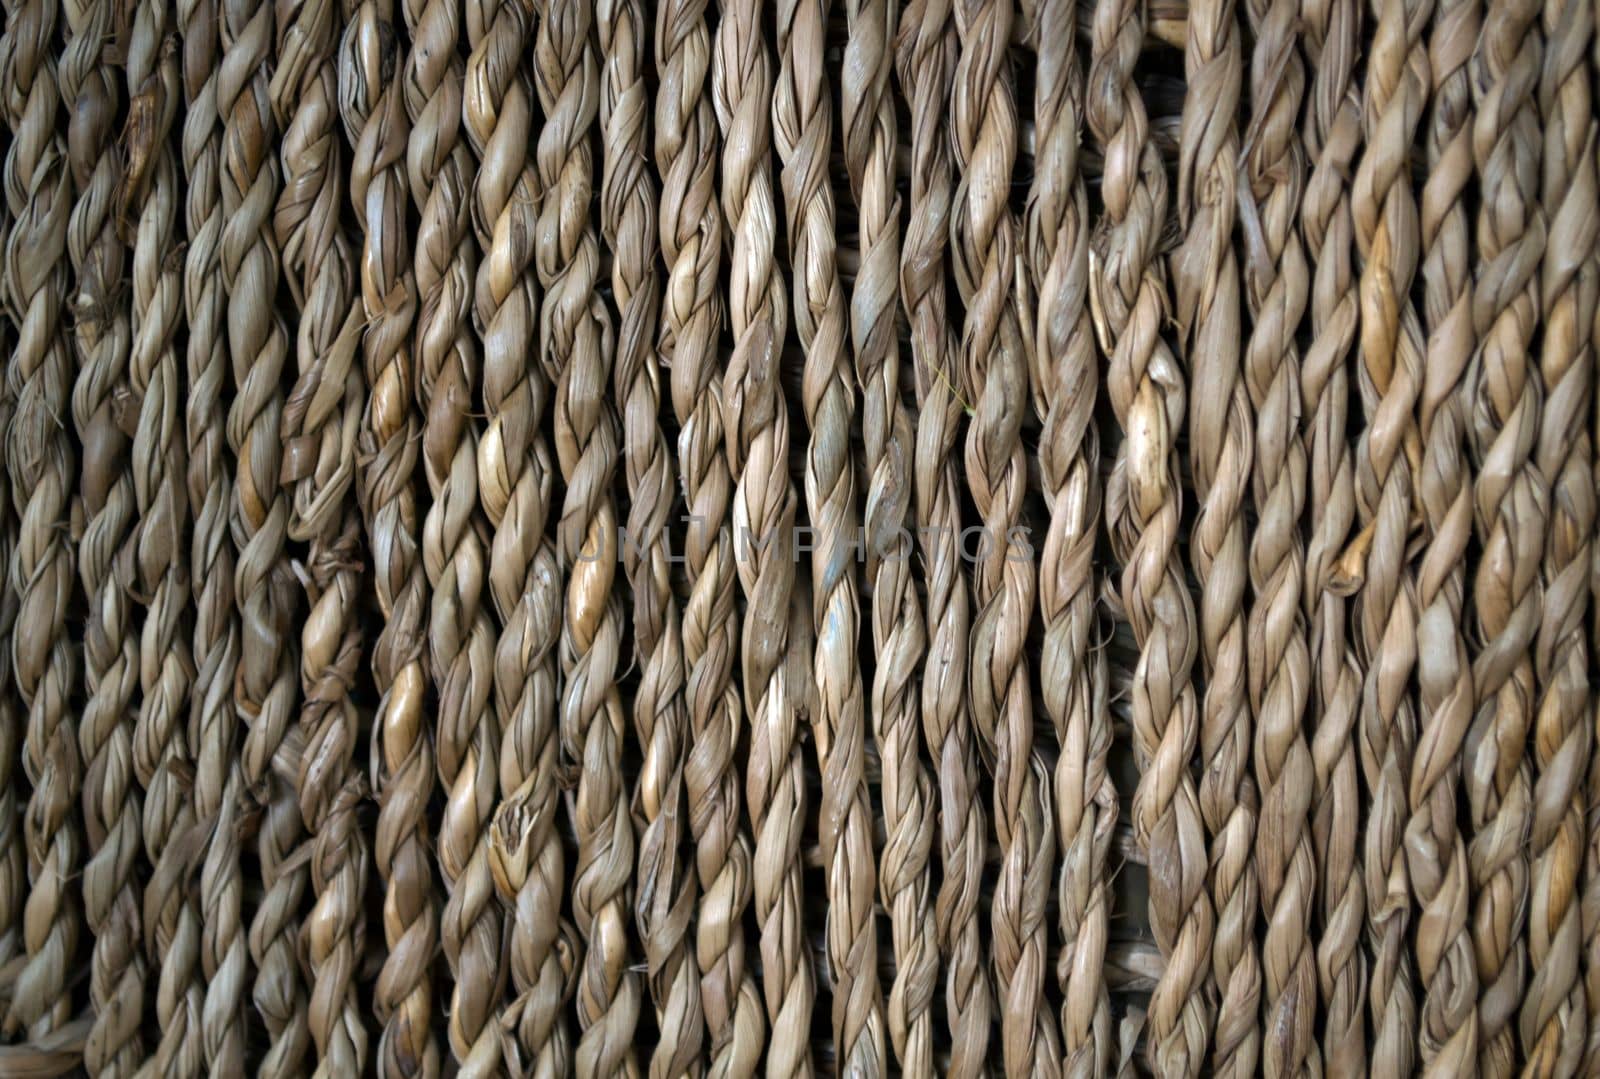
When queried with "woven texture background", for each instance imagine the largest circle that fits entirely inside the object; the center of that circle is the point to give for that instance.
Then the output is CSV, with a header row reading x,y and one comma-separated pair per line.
x,y
671,538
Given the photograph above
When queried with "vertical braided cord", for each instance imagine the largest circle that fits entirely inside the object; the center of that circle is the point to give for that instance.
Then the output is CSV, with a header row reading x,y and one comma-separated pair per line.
x,y
99,316
1435,852
1072,672
1143,504
211,554
802,130
714,406
925,62
1277,286
870,133
576,346
1333,136
13,856
1205,283
264,588
664,905
163,755
321,420
522,843
41,463
1511,510
1384,209
745,443
460,636
514,477
985,257
372,70
1558,1016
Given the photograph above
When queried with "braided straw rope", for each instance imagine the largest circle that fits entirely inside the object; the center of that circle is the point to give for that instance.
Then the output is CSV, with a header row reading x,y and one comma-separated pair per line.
x,y
628,208
13,856
925,63
1332,136
41,461
1205,282
1591,867
745,441
576,350
870,132
1557,1017
99,316
371,71
1277,285
1511,509
218,787
1387,237
665,902
1590,904
460,637
984,242
1435,853
321,420
802,131
523,848
514,477
264,588
1143,506
1072,668
163,756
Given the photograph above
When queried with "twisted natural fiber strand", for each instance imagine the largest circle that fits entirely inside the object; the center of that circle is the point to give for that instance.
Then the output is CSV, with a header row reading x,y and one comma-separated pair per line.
x,y
163,757
460,636
40,459
664,902
521,846
99,315
212,720
1388,240
514,473
986,257
371,71
1557,1019
1205,282
1143,503
321,420
1590,905
576,349
870,133
1511,510
1277,286
1072,671
802,131
925,63
1435,852
13,856
744,442
1332,136
264,588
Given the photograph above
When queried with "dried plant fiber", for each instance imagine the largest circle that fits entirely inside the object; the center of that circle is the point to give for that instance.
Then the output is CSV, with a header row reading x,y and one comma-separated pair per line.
x,y
717,538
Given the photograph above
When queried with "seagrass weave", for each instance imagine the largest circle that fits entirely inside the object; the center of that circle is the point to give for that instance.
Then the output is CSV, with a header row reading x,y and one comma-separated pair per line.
x,y
1043,538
